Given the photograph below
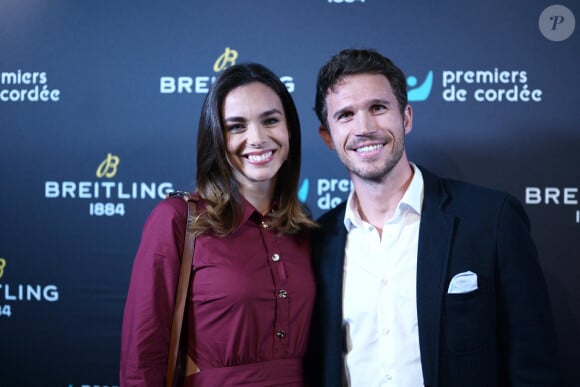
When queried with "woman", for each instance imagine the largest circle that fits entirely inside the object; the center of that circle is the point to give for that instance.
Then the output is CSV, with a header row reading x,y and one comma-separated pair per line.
x,y
252,289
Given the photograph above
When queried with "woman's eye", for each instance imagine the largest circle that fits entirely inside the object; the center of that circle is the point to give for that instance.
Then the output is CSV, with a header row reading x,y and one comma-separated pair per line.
x,y
271,121
235,128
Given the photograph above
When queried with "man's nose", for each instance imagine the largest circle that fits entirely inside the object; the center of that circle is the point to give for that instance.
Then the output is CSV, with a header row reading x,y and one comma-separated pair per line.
x,y
365,124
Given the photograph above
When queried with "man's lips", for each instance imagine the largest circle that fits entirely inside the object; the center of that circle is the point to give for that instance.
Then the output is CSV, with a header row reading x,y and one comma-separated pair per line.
x,y
369,148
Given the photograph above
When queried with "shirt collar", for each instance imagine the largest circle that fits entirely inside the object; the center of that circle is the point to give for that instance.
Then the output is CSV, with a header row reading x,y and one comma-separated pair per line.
x,y
412,199
249,210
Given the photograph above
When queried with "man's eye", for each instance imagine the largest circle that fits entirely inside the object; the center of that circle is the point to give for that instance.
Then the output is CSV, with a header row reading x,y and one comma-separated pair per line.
x,y
378,108
344,116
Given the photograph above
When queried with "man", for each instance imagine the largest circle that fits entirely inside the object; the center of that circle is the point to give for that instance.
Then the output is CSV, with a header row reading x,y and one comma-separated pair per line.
x,y
421,280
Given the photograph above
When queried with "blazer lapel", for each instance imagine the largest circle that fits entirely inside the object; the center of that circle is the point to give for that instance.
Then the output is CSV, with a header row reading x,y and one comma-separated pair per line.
x,y
327,333
435,235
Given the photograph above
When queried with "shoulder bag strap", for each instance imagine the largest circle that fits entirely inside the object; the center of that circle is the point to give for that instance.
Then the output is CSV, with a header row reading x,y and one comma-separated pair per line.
x,y
181,296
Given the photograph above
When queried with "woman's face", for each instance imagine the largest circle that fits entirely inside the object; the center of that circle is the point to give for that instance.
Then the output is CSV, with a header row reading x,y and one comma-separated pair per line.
x,y
256,134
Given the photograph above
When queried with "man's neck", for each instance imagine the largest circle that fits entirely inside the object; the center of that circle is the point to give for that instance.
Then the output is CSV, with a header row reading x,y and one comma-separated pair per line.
x,y
377,201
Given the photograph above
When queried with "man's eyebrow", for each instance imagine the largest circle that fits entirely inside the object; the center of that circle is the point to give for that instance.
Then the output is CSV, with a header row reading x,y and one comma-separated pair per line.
x,y
339,112
374,101
381,101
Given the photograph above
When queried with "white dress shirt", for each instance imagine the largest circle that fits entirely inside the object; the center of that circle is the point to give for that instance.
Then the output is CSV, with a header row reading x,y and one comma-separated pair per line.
x,y
379,295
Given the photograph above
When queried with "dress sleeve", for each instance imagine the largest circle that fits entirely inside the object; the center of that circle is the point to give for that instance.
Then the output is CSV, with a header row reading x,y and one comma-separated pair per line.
x,y
151,296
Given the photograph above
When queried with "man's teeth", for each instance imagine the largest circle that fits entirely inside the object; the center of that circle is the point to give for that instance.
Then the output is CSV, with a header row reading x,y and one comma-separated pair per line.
x,y
369,148
258,158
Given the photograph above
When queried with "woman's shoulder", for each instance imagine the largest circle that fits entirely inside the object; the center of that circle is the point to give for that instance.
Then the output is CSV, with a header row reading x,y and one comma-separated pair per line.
x,y
177,201
174,207
171,206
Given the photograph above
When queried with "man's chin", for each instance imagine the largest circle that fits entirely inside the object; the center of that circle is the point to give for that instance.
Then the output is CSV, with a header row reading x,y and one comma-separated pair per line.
x,y
370,176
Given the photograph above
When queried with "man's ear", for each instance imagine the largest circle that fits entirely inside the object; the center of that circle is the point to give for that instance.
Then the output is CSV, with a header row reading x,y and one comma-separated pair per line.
x,y
325,134
408,119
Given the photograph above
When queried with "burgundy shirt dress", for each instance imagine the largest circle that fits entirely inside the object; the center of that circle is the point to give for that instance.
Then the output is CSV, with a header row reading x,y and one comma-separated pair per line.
x,y
249,306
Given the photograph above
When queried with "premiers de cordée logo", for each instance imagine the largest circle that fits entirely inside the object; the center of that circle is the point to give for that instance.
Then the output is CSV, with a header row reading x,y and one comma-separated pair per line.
x,y
26,86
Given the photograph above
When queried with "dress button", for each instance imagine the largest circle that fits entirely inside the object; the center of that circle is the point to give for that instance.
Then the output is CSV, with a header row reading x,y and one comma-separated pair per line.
x,y
282,293
280,333
265,225
275,257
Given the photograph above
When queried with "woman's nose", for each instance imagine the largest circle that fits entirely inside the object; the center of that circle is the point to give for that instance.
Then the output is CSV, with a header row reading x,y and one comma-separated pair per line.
x,y
256,136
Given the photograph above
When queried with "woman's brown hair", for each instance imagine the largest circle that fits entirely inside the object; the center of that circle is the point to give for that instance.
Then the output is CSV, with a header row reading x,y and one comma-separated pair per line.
x,y
215,179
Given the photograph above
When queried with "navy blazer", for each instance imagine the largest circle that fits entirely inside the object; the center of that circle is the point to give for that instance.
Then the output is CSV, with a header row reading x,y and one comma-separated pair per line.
x,y
501,334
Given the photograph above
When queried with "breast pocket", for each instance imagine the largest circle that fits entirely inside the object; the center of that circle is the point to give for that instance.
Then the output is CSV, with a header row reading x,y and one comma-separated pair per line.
x,y
467,321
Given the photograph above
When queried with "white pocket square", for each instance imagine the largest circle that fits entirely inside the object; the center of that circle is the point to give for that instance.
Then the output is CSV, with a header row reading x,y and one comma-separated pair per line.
x,y
463,283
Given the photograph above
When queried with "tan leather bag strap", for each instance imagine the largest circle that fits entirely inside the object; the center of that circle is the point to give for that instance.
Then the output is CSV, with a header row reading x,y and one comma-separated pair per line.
x,y
181,299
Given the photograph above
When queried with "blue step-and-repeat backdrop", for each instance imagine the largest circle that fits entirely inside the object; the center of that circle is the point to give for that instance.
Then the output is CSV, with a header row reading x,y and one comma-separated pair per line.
x,y
99,102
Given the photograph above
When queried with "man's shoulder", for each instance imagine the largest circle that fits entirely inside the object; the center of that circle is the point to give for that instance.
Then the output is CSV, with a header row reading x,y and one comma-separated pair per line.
x,y
464,195
458,187
331,225
333,216
461,188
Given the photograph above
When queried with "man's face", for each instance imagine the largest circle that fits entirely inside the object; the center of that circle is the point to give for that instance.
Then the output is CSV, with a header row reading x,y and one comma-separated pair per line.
x,y
365,125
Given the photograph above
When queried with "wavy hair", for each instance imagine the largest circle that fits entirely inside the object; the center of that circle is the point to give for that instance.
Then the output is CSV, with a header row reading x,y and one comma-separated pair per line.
x,y
353,62
215,179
